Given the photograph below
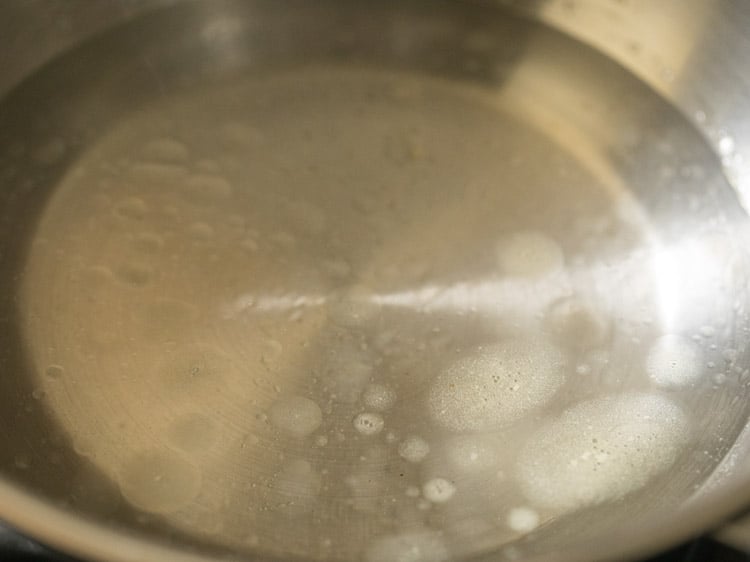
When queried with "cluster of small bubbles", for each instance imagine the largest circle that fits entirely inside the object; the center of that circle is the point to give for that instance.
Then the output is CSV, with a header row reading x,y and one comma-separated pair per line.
x,y
369,423
601,450
497,384
379,397
414,449
296,416
438,490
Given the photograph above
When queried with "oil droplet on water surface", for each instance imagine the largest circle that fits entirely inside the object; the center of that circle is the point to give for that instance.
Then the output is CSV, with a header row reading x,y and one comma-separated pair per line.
x,y
296,416
369,423
522,519
54,372
414,449
159,481
438,490
379,397
496,385
601,450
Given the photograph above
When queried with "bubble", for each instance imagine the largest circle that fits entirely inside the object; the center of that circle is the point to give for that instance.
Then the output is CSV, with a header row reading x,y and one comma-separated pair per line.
x,y
438,490
415,546
496,385
296,416
673,361
54,372
192,433
414,448
369,423
159,481
601,450
529,254
522,519
379,397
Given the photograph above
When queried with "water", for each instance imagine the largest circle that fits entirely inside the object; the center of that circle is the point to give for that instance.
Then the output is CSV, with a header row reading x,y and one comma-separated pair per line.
x,y
433,313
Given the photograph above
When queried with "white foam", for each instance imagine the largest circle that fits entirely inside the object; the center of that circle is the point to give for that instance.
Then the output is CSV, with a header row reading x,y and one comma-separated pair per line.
x,y
496,385
529,254
674,361
414,448
369,423
601,450
438,490
379,397
296,415
522,519
415,546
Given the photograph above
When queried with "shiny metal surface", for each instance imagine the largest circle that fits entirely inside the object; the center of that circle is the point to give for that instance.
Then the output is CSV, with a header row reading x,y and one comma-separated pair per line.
x,y
219,207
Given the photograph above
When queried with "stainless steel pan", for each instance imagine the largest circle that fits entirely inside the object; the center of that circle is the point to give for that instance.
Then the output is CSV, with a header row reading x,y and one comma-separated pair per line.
x,y
373,280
